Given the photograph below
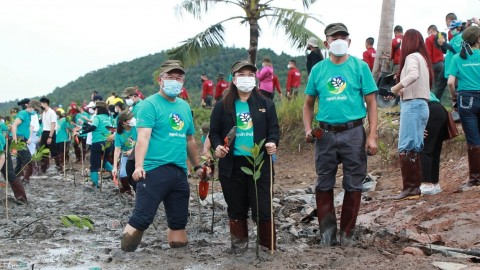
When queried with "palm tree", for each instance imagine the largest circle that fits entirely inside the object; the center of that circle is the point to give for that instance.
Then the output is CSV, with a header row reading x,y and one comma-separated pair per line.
x,y
384,36
211,39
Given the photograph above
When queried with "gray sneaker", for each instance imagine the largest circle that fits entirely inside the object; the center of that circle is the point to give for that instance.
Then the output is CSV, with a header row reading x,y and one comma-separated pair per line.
x,y
430,189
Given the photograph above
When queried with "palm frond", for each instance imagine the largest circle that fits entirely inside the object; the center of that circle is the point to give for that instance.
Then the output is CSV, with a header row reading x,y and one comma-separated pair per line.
x,y
293,23
308,3
194,49
198,8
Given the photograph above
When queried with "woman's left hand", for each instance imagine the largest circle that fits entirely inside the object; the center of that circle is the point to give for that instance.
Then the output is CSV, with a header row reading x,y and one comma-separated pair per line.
x,y
271,148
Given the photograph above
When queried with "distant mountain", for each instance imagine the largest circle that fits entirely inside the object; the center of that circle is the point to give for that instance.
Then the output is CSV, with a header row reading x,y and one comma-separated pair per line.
x,y
139,72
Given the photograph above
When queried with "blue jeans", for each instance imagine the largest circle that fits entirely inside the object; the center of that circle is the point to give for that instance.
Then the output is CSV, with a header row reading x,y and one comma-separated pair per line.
x,y
413,120
469,111
123,165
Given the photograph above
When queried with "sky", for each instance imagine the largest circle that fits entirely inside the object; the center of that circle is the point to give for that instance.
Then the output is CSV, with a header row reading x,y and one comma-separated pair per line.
x,y
46,44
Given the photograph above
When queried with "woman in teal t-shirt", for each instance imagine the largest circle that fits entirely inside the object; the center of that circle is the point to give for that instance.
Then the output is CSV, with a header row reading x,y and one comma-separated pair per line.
x,y
100,129
465,69
125,140
63,137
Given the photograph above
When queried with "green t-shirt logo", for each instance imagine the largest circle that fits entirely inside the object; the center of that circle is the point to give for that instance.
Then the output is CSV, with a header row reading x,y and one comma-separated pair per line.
x,y
244,121
176,122
336,85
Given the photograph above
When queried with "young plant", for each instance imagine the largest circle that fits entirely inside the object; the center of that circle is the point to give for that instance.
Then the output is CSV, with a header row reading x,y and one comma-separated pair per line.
x,y
80,222
256,160
37,156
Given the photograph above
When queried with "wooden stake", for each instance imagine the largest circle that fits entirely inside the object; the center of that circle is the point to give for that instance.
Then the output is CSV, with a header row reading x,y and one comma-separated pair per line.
x,y
272,222
6,177
64,157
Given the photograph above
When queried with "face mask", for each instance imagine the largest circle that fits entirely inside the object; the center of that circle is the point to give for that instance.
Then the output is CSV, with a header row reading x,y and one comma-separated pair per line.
x,y
245,84
32,113
129,101
289,66
308,51
133,122
2,121
454,32
172,88
91,111
339,47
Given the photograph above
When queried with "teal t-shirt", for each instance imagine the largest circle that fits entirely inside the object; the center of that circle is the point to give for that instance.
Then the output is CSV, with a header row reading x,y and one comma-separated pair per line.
x,y
101,133
433,97
136,107
456,43
126,140
24,128
244,136
171,123
340,89
2,144
467,71
62,131
3,128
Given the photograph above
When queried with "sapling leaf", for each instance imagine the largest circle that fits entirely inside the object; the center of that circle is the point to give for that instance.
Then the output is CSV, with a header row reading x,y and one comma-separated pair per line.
x,y
87,223
66,222
250,160
247,170
256,175
259,159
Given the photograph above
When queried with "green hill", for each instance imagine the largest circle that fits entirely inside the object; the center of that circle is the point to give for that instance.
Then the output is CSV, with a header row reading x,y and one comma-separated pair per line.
x,y
139,72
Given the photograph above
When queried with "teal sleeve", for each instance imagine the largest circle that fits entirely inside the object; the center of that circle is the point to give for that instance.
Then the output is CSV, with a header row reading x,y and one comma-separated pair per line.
x,y
452,69
146,115
311,84
118,141
96,121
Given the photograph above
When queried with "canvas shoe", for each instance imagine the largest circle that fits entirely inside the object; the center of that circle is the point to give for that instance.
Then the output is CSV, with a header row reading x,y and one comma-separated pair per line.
x,y
430,189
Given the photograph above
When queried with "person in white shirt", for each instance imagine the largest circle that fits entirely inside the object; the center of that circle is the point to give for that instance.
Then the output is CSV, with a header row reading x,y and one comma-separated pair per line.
x,y
49,123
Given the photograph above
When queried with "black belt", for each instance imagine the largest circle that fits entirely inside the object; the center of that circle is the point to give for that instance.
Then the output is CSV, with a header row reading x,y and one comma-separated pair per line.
x,y
341,127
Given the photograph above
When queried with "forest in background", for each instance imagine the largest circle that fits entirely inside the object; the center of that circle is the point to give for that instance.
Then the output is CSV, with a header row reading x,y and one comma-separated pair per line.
x,y
138,72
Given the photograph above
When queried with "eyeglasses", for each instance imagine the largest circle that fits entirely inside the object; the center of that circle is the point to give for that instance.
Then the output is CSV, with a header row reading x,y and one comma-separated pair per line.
x,y
245,75
174,78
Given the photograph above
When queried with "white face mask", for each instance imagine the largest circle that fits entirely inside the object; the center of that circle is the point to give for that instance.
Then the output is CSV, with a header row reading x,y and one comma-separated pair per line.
x,y
245,84
91,111
129,101
289,66
339,47
133,122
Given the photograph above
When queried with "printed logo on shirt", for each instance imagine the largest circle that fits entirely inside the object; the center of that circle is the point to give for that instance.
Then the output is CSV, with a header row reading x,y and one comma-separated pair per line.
x,y
176,122
244,121
336,85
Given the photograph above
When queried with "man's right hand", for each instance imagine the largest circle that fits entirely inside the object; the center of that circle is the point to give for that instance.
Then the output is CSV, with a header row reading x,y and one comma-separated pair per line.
x,y
221,151
139,174
309,137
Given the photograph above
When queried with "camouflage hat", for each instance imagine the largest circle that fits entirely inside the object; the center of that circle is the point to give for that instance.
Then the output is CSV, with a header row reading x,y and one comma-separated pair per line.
x,y
129,91
241,64
100,104
170,65
334,28
125,115
471,34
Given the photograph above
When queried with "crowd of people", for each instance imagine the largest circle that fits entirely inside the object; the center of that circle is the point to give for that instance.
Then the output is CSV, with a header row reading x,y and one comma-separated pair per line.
x,y
146,142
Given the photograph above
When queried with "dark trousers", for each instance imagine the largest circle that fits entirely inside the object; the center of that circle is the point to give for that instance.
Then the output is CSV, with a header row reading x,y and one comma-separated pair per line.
x,y
8,168
239,192
266,94
167,184
52,146
96,154
436,130
439,80
82,142
23,158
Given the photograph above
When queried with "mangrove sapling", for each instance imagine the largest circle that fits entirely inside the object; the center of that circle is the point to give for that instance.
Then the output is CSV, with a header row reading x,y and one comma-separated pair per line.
x,y
256,160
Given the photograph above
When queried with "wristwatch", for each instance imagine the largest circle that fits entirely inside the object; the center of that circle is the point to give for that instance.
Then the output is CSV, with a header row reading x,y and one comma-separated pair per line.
x,y
196,168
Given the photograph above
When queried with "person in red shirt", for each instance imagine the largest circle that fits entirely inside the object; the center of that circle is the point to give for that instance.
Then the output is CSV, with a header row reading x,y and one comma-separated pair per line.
x,y
184,94
448,19
396,50
207,91
369,54
435,52
220,87
276,84
294,78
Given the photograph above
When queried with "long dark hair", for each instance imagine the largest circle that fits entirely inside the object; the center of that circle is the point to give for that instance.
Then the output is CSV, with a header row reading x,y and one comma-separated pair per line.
x,y
413,42
102,110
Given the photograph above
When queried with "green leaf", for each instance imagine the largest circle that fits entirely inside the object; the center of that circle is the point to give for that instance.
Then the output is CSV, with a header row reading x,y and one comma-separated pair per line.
x,y
249,159
247,170
260,166
256,176
87,223
259,159
66,222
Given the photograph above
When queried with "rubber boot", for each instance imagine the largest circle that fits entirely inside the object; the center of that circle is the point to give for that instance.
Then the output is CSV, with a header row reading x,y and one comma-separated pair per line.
x,y
177,238
131,239
327,220
44,164
239,235
27,172
18,190
266,235
411,175
348,218
473,166
94,178
125,186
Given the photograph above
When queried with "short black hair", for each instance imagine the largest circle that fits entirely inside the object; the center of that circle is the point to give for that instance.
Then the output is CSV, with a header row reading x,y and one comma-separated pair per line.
x,y
45,100
451,16
433,28
370,41
293,61
398,29
121,105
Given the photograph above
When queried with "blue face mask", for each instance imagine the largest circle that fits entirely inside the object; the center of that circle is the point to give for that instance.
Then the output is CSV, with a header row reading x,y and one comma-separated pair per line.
x,y
32,112
172,88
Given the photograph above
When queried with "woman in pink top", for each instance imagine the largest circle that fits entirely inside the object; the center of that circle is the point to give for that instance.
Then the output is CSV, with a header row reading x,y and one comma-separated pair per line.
x,y
265,76
414,79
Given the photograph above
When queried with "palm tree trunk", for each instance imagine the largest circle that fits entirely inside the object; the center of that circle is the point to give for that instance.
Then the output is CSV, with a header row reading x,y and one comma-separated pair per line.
x,y
254,34
384,37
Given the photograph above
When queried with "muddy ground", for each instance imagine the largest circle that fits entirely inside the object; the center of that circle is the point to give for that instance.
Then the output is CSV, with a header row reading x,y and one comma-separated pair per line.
x,y
388,231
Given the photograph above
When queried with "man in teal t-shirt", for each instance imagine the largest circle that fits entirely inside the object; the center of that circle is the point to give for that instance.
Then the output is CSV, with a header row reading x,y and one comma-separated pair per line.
x,y
165,139
343,85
